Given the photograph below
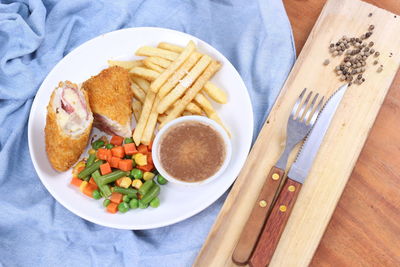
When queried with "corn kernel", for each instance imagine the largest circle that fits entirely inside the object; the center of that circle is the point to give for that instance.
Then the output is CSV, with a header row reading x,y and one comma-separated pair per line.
x,y
78,168
92,151
137,183
140,159
83,185
148,176
125,182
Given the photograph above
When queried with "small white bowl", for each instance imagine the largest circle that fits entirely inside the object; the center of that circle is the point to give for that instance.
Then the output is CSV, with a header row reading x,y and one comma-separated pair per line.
x,y
202,119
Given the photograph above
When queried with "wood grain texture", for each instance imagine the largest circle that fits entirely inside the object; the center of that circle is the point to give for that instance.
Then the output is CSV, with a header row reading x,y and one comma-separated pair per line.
x,y
325,183
275,225
365,226
256,221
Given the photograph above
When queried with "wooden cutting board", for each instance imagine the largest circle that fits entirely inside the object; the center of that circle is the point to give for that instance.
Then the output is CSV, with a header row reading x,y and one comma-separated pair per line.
x,y
341,146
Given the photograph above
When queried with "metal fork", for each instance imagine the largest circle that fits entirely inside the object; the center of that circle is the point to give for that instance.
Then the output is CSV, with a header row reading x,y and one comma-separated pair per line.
x,y
300,122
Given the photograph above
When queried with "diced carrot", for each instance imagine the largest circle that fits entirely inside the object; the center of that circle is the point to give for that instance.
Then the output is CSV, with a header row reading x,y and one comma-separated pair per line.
x,y
142,149
105,168
118,151
116,140
116,197
112,208
118,182
76,181
88,190
91,181
130,149
104,154
150,146
114,162
150,158
146,168
125,165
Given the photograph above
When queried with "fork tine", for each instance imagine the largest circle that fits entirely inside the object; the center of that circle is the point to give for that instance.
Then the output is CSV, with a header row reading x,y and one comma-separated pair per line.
x,y
307,117
298,101
302,110
317,111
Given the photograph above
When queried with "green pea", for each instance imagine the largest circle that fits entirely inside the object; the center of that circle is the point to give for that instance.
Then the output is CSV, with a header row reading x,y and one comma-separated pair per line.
x,y
136,173
96,194
109,146
106,202
123,207
161,180
125,198
97,144
155,202
128,140
134,203
142,205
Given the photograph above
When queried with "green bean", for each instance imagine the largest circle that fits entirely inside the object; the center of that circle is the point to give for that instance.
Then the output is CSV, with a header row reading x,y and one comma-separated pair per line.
x,y
106,202
87,178
142,205
91,159
130,192
91,169
155,202
105,189
111,177
146,187
151,194
97,144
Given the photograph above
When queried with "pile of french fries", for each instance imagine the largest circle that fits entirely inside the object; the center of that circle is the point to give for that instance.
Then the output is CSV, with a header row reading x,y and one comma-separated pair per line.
x,y
171,81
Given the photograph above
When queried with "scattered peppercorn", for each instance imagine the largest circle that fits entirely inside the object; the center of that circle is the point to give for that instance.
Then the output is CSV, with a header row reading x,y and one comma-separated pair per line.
x,y
380,69
326,62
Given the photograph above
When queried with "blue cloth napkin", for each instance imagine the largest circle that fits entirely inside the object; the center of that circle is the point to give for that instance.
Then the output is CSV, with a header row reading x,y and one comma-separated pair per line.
x,y
34,35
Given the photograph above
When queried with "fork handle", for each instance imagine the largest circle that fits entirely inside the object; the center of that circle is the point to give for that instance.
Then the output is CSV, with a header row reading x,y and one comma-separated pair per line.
x,y
259,213
275,224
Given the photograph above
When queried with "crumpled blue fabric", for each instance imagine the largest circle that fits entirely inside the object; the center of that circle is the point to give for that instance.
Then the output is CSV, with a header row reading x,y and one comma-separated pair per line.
x,y
34,35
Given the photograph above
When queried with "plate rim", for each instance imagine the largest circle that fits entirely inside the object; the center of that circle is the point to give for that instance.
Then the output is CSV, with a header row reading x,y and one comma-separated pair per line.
x,y
92,219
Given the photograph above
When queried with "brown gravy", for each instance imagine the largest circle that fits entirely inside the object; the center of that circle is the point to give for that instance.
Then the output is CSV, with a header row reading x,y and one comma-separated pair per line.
x,y
191,151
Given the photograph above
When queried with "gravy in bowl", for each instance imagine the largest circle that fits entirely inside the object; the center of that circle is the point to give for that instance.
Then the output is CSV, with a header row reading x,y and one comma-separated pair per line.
x,y
191,151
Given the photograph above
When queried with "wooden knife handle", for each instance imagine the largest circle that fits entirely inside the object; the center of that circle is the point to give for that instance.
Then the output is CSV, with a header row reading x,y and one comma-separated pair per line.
x,y
256,221
275,224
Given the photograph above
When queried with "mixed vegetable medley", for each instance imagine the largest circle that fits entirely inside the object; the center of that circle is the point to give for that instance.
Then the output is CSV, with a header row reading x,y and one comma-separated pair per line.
x,y
121,173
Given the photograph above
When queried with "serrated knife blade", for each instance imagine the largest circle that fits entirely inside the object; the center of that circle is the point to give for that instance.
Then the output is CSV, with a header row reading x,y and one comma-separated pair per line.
x,y
305,157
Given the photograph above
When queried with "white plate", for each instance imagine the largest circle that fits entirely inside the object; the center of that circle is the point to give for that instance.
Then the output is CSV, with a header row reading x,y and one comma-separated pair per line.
x,y
178,202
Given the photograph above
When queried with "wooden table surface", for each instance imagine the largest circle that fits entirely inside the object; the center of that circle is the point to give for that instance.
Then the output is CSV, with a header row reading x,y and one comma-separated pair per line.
x,y
365,227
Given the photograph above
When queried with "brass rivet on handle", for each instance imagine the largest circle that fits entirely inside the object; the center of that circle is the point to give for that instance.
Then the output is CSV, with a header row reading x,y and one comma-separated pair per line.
x,y
262,203
282,208
275,176
291,188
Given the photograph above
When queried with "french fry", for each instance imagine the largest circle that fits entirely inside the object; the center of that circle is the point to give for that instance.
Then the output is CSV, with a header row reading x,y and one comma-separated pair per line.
x,y
162,62
137,92
194,109
151,124
144,73
174,79
184,84
125,64
215,93
149,51
136,108
155,85
161,118
170,47
209,110
144,116
153,66
192,92
143,84
187,113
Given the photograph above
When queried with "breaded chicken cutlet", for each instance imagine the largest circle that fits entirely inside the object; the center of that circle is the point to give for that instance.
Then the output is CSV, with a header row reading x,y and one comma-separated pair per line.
x,y
68,125
110,100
